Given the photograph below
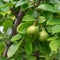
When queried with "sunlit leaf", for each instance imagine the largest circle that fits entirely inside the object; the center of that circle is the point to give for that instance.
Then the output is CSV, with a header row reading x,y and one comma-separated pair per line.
x,y
16,37
13,48
56,29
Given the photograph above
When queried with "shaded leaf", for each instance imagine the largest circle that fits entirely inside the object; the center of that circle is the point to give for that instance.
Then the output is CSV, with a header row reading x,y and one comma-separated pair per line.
x,y
2,47
24,7
49,28
35,15
3,58
28,48
32,58
7,24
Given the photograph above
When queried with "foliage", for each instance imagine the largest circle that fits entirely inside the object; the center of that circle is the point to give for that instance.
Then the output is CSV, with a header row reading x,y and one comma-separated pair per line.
x,y
45,14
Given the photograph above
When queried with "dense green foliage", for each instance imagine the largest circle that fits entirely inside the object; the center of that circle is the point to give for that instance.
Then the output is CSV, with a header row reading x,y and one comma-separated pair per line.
x,y
36,35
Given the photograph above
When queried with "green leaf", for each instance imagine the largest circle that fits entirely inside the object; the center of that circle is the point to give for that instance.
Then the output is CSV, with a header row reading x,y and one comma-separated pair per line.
x,y
55,1
28,18
6,0
54,45
7,24
51,38
30,5
12,59
44,48
56,29
35,15
1,29
8,12
21,2
2,13
13,48
3,58
49,28
57,8
6,7
9,31
30,12
28,48
2,46
41,19
47,15
16,37
23,27
53,21
24,7
47,7
1,3
32,58
11,16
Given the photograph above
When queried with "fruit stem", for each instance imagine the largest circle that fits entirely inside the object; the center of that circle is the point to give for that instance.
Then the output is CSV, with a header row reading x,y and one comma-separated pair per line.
x,y
35,22
42,27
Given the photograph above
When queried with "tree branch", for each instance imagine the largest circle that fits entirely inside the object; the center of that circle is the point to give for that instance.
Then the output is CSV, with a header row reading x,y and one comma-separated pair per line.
x,y
17,22
19,17
5,51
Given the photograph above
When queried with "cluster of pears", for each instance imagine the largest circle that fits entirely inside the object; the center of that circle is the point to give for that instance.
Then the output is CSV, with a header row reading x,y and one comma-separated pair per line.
x,y
34,30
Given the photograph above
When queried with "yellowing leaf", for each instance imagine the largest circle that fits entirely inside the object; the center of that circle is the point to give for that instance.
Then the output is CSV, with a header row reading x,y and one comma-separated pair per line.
x,y
54,45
